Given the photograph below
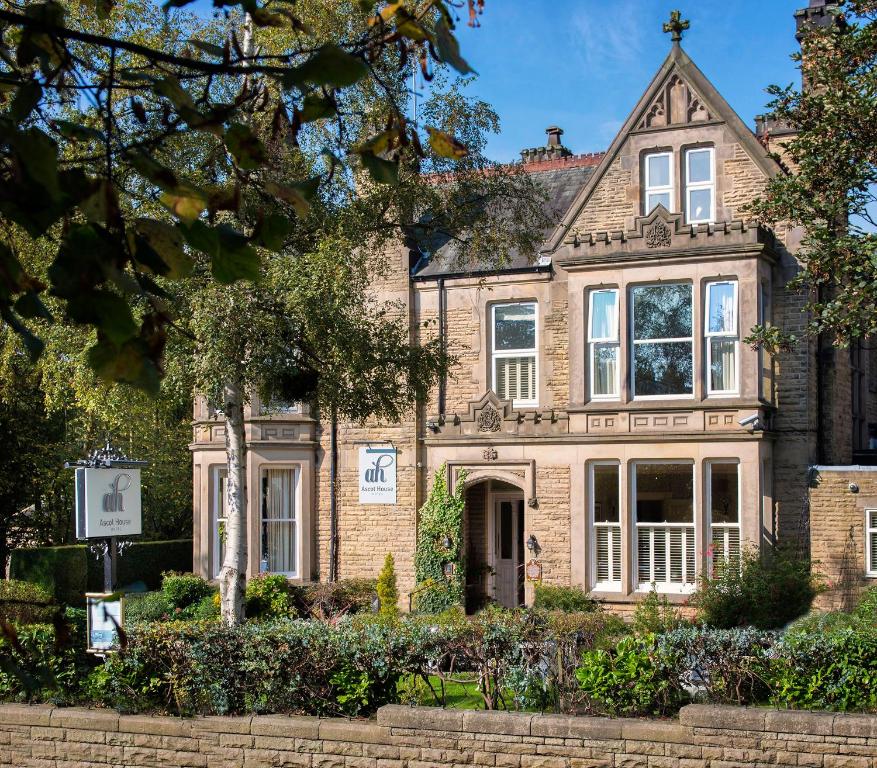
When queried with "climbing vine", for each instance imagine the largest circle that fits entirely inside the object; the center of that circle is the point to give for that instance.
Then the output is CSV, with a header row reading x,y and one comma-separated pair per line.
x,y
441,524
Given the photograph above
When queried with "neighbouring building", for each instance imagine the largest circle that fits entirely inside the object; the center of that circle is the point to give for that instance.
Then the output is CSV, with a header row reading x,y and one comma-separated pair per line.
x,y
612,427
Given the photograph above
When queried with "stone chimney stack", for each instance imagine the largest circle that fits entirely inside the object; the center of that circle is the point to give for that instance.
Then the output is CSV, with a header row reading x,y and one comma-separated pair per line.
x,y
820,13
554,150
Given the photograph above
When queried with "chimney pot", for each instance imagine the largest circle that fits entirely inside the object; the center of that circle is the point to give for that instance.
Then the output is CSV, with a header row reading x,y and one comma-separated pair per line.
x,y
554,134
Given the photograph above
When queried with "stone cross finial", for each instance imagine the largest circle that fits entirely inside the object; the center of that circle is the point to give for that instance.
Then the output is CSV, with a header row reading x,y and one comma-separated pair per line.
x,y
676,25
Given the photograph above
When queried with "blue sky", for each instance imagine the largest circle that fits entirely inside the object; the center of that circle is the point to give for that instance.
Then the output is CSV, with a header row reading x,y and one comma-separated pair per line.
x,y
583,64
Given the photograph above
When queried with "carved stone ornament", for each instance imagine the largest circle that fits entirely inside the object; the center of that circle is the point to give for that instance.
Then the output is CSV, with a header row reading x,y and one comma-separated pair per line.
x,y
490,454
658,235
489,419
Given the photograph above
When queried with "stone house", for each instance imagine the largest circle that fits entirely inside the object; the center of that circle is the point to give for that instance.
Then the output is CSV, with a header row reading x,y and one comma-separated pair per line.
x,y
610,425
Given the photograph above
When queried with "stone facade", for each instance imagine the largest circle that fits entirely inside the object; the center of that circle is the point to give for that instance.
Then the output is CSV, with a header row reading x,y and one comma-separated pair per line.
x,y
415,737
783,414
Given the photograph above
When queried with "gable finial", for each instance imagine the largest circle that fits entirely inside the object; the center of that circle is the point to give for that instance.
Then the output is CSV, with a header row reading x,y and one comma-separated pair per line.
x,y
676,25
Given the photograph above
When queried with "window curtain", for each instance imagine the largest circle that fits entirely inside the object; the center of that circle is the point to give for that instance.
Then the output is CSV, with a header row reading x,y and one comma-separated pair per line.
x,y
724,366
605,369
279,521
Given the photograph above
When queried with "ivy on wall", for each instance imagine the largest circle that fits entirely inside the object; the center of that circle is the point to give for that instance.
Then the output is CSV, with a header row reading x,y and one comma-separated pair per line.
x,y
441,523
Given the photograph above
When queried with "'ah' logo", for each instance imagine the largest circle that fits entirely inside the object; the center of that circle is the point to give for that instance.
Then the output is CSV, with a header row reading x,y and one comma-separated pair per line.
x,y
114,501
376,473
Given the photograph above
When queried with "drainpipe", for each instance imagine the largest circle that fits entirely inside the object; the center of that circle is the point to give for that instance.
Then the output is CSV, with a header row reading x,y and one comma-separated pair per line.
x,y
333,498
442,344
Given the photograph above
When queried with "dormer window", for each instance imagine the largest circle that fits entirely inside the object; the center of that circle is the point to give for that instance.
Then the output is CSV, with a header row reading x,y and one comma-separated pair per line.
x,y
659,181
700,186
514,353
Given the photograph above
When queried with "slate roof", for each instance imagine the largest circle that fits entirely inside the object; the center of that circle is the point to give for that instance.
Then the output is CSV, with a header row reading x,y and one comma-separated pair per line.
x,y
562,178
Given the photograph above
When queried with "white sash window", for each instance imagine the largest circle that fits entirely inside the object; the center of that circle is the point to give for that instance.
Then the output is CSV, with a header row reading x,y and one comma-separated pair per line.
x,y
658,174
665,536
871,543
603,343
604,495
723,505
279,523
218,518
700,186
720,329
515,368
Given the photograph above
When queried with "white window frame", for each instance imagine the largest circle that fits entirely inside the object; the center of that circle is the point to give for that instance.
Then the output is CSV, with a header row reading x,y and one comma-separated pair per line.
x,y
611,585
731,335
595,342
664,587
634,342
506,353
296,520
693,186
765,320
218,472
708,511
870,531
659,188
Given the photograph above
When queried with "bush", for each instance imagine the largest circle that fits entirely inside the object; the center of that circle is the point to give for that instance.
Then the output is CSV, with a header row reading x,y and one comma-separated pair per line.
x,y
388,594
550,597
61,571
268,596
654,615
42,663
24,603
631,679
147,606
184,590
330,600
767,592
144,562
836,671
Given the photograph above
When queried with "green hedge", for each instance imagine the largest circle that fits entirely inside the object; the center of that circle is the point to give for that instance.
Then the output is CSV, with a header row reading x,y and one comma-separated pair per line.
x,y
68,572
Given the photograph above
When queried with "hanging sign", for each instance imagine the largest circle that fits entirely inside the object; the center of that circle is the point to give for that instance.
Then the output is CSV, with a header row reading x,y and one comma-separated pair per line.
x,y
107,502
377,475
534,571
103,618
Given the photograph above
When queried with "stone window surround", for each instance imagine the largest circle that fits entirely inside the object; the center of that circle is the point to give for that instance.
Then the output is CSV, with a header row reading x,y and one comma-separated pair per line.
x,y
508,296
679,176
699,346
490,325
751,490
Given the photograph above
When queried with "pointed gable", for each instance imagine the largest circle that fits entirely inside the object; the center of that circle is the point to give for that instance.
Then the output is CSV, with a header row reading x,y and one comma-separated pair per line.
x,y
679,108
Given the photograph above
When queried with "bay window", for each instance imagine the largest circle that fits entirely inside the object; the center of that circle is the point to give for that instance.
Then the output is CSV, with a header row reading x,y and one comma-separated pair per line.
x,y
700,186
663,348
278,529
514,353
871,543
720,328
658,181
723,508
604,494
603,343
663,494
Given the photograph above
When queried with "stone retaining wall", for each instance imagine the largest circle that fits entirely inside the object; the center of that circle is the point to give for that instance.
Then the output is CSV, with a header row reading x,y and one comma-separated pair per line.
x,y
406,737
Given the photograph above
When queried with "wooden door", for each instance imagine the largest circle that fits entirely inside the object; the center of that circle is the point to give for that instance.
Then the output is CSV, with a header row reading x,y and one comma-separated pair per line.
x,y
507,533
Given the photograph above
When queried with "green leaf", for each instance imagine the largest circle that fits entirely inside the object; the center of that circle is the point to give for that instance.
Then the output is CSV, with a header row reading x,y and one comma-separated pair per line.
x,y
317,107
185,202
272,231
246,148
27,96
77,132
102,205
38,155
449,48
209,48
32,343
445,145
167,241
381,171
232,258
129,362
170,88
108,311
152,170
297,195
328,66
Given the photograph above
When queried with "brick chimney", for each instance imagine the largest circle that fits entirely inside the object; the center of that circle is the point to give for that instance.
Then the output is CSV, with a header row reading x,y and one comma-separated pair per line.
x,y
554,150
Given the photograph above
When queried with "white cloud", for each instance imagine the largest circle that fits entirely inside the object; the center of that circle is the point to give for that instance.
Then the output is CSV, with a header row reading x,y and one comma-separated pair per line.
x,y
609,37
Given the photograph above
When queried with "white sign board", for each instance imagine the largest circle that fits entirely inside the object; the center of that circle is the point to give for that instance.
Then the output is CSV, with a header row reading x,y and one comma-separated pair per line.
x,y
107,503
377,475
104,617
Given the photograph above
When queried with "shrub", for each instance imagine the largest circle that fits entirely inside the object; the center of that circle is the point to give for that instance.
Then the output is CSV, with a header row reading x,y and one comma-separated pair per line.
x,y
654,615
836,670
573,599
768,591
61,571
388,594
24,603
330,600
184,590
144,562
41,663
147,606
268,597
631,679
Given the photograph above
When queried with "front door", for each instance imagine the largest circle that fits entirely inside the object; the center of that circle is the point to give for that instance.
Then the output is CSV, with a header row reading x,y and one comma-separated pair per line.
x,y
508,550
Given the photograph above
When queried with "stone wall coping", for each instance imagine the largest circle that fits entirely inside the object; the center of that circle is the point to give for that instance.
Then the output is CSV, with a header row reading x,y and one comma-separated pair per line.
x,y
376,731
844,468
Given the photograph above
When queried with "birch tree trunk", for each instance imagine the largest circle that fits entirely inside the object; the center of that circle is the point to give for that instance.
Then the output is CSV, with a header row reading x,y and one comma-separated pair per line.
x,y
233,576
